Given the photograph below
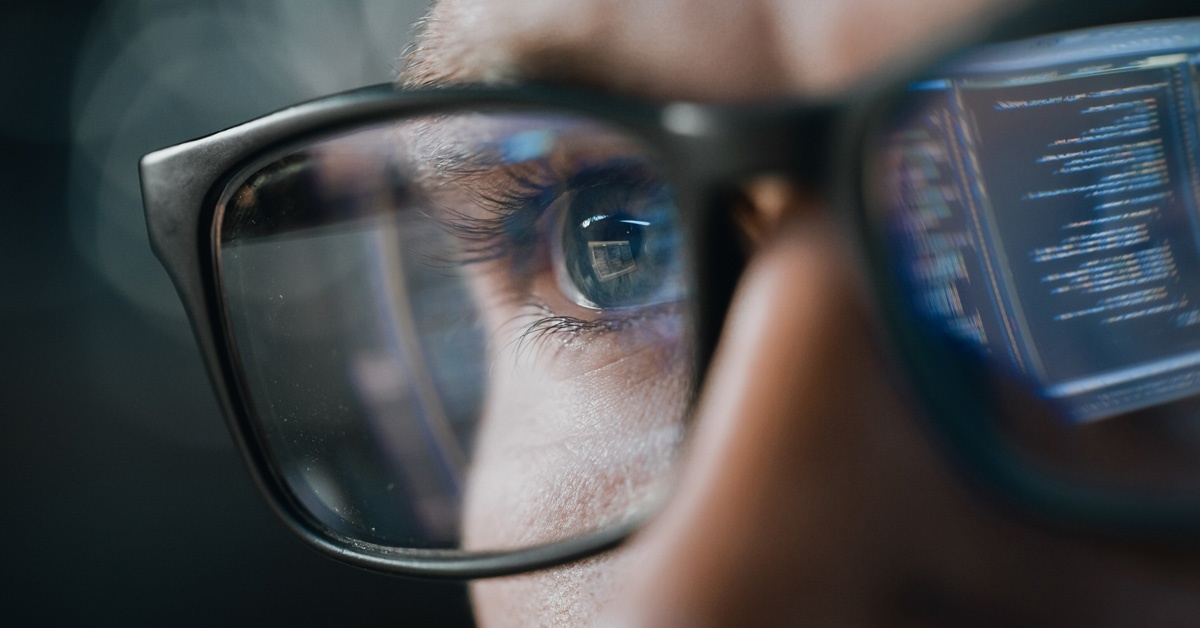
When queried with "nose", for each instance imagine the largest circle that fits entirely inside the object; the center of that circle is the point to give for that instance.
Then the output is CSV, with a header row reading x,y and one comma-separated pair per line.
x,y
774,503
810,494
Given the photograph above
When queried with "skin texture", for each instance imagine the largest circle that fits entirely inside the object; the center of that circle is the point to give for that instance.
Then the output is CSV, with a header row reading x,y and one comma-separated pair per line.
x,y
812,496
583,411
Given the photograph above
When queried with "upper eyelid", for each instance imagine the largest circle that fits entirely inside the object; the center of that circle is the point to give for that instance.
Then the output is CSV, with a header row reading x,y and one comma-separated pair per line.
x,y
515,197
460,149
506,211
491,181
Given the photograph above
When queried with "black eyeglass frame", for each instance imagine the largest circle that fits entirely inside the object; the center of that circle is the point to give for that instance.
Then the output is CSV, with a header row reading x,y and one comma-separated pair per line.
x,y
707,149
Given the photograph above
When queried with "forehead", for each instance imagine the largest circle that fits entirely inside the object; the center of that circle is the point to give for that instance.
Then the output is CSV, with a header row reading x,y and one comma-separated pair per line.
x,y
693,49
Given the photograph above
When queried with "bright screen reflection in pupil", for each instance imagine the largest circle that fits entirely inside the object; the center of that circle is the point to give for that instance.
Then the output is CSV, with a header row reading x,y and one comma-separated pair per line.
x,y
617,253
613,250
1047,215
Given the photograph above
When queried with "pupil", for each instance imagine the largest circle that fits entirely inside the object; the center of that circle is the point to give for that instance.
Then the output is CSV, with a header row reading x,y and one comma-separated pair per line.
x,y
606,260
614,246
619,243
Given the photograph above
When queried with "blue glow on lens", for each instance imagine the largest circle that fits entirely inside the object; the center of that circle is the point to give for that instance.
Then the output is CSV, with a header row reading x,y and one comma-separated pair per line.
x,y
527,145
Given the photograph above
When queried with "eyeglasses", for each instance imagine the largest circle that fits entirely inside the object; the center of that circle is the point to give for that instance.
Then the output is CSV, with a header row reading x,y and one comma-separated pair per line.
x,y
457,332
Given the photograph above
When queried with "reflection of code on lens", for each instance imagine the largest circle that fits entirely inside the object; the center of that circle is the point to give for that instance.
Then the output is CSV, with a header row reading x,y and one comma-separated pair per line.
x,y
1050,218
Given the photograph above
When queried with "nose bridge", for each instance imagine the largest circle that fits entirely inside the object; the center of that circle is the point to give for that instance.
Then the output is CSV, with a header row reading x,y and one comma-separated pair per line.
x,y
725,151
765,528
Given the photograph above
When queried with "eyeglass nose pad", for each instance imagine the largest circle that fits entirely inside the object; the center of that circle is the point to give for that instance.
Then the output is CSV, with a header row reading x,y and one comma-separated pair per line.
x,y
742,219
763,205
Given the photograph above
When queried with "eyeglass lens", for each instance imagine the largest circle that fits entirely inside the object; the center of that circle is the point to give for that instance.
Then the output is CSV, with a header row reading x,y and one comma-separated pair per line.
x,y
471,329
464,330
1041,203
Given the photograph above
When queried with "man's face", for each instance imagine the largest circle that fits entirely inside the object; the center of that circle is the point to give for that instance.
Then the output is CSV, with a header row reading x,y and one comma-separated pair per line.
x,y
809,495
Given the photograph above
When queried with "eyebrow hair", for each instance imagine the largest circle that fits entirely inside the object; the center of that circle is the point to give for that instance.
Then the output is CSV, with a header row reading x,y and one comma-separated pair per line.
x,y
475,42
442,55
435,58
414,61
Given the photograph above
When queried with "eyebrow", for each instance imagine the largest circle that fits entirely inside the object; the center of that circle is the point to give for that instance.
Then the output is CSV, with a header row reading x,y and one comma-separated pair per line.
x,y
436,58
463,146
471,42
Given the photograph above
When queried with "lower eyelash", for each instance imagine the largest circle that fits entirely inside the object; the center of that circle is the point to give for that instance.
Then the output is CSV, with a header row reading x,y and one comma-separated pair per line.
x,y
561,325
555,331
550,326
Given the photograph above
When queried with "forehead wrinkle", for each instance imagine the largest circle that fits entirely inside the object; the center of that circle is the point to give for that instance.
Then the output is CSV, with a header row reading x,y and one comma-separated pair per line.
x,y
696,49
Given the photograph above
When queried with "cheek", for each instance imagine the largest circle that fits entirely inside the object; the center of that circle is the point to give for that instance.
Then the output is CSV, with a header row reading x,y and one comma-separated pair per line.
x,y
570,595
578,430
558,457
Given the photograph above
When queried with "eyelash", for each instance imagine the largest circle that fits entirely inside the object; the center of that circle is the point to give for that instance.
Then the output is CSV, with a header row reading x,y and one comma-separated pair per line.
x,y
514,209
515,206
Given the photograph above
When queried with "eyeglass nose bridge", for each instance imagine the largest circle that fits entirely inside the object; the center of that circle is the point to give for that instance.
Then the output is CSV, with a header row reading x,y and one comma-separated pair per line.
x,y
720,150
731,144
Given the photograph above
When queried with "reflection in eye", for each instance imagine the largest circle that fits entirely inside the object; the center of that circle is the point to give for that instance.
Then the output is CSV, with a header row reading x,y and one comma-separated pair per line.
x,y
619,241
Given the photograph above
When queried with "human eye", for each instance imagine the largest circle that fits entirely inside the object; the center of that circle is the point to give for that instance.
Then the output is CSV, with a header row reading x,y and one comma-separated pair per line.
x,y
575,228
619,246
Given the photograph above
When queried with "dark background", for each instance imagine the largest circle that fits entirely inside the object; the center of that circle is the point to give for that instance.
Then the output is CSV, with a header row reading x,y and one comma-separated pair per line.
x,y
122,500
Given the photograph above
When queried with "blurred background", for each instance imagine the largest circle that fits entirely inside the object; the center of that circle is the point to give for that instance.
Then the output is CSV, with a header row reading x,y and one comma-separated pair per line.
x,y
123,500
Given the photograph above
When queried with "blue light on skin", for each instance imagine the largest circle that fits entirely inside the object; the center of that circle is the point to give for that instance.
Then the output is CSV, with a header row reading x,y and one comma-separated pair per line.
x,y
527,145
